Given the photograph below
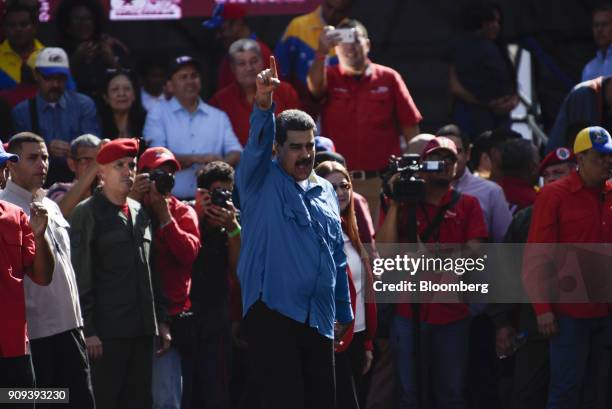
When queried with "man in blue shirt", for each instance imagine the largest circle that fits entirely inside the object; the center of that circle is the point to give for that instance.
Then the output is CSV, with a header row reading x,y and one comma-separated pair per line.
x,y
58,115
601,65
292,266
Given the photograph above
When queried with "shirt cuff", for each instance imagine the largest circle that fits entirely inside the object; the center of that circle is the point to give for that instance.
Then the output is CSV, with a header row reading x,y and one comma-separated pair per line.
x,y
344,313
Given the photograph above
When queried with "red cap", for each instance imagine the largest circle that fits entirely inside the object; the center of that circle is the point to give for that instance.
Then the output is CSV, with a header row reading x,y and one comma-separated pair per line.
x,y
559,155
117,149
155,157
437,143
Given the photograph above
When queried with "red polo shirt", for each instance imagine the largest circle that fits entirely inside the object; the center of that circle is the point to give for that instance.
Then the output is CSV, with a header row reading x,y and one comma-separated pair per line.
x,y
460,224
233,102
519,193
177,245
17,249
363,115
565,211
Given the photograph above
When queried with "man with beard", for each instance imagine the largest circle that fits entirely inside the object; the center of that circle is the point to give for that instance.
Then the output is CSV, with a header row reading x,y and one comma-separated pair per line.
x,y
53,312
56,114
120,294
193,131
292,267
236,100
443,328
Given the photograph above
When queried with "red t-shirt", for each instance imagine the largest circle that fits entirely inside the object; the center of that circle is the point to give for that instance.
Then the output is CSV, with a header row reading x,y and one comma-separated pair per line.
x,y
363,115
176,247
17,249
566,211
519,193
233,102
460,224
226,76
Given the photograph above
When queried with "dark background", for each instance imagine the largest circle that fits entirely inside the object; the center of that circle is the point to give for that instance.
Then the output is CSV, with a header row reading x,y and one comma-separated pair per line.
x,y
409,35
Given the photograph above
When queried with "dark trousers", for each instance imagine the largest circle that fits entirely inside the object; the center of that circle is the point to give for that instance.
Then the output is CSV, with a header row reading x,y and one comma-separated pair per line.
x,y
349,379
122,377
60,361
17,372
483,366
291,364
206,373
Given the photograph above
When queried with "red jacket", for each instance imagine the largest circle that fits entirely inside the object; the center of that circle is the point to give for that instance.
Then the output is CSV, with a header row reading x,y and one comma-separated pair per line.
x,y
565,211
176,248
370,312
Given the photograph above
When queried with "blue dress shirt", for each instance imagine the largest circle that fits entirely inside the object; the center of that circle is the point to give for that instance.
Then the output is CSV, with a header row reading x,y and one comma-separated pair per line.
x,y
600,66
73,115
292,255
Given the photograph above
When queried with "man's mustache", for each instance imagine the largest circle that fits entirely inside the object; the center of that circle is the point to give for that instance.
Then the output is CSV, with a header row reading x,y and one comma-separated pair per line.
x,y
304,162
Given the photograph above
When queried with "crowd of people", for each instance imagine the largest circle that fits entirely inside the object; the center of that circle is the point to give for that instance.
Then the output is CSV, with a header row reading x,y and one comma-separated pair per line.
x,y
160,251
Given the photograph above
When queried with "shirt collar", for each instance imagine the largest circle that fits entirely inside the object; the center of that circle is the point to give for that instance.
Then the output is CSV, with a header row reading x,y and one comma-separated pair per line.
x,y
44,105
21,193
576,183
600,54
175,105
369,71
5,47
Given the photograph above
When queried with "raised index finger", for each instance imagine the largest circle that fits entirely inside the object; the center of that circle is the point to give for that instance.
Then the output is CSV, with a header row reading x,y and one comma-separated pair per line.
x,y
273,66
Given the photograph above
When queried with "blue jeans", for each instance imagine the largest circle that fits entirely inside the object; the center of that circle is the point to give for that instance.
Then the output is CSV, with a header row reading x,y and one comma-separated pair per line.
x,y
167,384
443,354
576,352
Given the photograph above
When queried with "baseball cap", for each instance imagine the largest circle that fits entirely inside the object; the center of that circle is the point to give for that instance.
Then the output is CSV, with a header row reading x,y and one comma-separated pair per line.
x,y
117,149
155,157
224,12
593,137
52,60
439,143
181,61
323,143
5,156
559,155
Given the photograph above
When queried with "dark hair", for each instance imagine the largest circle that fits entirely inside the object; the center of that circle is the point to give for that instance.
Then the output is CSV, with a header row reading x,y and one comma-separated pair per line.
x,y
63,16
488,140
293,120
17,140
454,130
214,172
356,24
516,157
17,6
478,12
149,61
136,114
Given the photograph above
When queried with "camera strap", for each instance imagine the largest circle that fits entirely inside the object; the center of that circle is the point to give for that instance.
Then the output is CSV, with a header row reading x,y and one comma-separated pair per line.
x,y
435,223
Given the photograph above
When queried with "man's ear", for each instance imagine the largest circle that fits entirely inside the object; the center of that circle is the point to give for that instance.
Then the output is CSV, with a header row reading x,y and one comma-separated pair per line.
x,y
71,164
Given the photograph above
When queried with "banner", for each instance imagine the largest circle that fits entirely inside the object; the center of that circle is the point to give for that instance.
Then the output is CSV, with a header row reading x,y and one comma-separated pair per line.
x,y
176,9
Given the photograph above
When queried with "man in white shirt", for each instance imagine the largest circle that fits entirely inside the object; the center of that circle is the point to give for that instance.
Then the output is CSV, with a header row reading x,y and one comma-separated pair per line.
x,y
195,132
53,312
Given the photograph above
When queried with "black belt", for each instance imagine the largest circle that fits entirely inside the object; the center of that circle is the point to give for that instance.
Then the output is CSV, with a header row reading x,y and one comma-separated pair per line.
x,y
364,174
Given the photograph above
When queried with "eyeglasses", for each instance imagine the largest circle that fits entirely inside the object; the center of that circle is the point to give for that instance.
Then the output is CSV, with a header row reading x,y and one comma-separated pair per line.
x,y
343,186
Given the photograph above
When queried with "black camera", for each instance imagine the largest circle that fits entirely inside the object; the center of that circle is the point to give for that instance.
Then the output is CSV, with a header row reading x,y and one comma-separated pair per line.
x,y
220,197
164,182
409,187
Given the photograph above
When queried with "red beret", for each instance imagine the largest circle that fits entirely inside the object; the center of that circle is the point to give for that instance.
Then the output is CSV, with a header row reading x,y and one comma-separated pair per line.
x,y
117,149
155,157
559,155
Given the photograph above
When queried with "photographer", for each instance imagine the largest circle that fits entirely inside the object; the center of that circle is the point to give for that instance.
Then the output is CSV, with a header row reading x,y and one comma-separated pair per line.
x,y
176,243
442,216
213,289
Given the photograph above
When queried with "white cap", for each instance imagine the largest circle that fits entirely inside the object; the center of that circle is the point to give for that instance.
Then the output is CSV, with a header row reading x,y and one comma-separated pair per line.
x,y
53,60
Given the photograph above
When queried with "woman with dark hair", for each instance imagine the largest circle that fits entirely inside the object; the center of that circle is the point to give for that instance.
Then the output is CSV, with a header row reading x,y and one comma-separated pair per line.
x,y
354,351
80,25
481,75
120,112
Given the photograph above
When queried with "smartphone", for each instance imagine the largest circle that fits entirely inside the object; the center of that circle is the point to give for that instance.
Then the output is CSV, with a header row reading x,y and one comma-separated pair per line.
x,y
347,35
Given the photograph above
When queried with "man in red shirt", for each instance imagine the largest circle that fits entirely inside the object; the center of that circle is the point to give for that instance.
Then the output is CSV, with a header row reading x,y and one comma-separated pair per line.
x,y
519,167
365,108
575,209
236,99
176,243
444,328
23,250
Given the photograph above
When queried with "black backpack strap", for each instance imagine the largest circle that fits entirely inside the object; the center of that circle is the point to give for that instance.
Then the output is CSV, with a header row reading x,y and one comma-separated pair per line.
x,y
435,223
34,116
